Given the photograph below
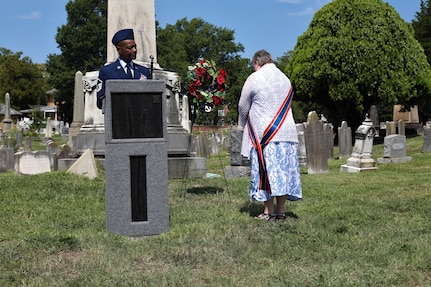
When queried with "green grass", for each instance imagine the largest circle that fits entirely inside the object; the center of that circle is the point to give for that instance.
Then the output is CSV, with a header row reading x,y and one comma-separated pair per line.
x,y
350,229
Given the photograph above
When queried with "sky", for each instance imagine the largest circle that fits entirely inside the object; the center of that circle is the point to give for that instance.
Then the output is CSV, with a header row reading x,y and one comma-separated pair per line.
x,y
30,26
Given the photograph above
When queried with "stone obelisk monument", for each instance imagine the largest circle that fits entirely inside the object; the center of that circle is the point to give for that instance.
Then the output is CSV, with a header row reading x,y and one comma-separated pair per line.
x,y
138,15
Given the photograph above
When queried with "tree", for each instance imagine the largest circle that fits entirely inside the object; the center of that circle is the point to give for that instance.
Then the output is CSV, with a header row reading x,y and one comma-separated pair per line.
x,y
422,27
22,79
358,53
182,44
82,42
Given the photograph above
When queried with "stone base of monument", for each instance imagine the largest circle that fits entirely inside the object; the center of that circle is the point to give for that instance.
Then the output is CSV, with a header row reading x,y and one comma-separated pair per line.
x,y
89,137
237,171
178,141
395,160
356,164
186,167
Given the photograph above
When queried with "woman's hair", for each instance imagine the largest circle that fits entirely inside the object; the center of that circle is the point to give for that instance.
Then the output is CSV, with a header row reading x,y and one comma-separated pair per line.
x,y
262,57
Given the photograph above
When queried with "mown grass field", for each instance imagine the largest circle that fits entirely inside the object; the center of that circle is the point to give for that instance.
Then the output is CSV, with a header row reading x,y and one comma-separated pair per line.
x,y
350,229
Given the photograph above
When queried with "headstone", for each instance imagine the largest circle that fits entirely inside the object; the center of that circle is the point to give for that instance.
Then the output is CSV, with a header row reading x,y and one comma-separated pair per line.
x,y
18,137
394,150
3,160
316,145
401,128
52,150
85,165
136,158
374,117
48,129
344,140
362,156
391,128
427,140
213,145
204,144
239,165
227,144
63,159
302,149
185,122
236,158
10,158
329,139
28,143
28,163
7,120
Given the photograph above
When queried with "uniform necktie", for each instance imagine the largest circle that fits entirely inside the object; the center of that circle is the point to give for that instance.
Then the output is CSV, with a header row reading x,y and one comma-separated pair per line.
x,y
129,72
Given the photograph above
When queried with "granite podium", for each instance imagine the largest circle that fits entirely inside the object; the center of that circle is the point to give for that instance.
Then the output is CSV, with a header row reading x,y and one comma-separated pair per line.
x,y
136,158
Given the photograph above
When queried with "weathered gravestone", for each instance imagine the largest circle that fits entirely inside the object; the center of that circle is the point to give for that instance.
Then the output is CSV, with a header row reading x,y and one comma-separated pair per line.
x,y
394,150
374,117
3,160
239,165
401,127
27,163
329,139
316,145
302,150
362,156
344,140
85,165
427,140
136,158
391,128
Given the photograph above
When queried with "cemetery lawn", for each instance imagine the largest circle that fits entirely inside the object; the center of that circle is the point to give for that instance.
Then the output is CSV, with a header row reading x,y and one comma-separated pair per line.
x,y
350,229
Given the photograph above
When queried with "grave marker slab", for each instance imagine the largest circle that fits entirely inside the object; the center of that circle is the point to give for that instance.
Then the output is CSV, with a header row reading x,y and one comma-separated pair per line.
x,y
27,163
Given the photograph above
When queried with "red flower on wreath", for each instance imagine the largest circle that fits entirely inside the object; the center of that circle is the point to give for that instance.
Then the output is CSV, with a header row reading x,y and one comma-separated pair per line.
x,y
206,84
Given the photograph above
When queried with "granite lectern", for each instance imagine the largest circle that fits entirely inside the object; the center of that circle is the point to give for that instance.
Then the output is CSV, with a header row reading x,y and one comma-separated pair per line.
x,y
136,158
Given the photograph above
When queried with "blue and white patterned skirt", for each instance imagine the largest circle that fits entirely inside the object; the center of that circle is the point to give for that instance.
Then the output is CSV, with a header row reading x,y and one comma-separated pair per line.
x,y
282,166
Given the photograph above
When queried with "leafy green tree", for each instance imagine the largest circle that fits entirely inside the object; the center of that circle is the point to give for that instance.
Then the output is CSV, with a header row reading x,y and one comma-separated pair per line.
x,y
358,53
182,44
82,41
422,27
22,79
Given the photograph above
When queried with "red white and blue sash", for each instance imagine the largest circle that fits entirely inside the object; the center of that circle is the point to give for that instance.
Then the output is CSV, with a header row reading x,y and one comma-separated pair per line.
x,y
267,136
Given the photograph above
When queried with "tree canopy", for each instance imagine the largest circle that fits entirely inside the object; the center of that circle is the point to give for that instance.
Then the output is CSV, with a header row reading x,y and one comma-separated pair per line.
x,y
22,79
422,27
358,53
82,41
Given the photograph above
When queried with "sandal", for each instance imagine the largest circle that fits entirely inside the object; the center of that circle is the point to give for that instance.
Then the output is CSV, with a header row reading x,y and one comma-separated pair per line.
x,y
267,217
280,216
263,216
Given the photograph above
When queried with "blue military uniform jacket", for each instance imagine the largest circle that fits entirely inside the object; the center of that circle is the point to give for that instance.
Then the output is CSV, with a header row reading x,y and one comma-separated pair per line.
x,y
116,71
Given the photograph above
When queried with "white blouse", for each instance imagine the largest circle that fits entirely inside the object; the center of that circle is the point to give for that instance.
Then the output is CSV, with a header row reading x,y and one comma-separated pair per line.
x,y
262,95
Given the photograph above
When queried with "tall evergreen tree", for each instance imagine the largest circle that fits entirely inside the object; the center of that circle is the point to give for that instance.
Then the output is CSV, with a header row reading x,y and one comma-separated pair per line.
x,y
358,53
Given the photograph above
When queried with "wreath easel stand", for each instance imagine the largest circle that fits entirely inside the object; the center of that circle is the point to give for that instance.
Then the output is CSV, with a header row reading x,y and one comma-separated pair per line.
x,y
186,179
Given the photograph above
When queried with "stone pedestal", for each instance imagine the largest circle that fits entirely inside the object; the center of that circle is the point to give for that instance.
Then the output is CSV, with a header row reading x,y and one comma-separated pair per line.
x,y
361,159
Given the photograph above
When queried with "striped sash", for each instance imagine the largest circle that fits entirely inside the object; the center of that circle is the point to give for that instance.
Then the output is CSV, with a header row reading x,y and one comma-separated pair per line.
x,y
267,136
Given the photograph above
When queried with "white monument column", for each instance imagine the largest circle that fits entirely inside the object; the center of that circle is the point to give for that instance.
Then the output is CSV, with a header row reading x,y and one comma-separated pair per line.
x,y
138,15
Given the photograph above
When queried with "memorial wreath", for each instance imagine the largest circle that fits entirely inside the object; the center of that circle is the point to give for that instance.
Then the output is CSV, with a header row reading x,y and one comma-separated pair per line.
x,y
206,84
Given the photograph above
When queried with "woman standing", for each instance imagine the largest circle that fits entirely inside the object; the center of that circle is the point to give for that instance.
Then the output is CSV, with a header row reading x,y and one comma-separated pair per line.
x,y
270,139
